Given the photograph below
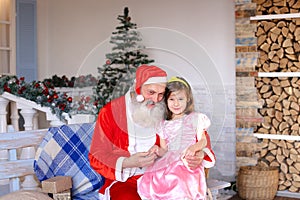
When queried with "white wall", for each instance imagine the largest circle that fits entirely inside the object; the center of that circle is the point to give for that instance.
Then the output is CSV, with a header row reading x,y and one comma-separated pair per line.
x,y
192,38
69,29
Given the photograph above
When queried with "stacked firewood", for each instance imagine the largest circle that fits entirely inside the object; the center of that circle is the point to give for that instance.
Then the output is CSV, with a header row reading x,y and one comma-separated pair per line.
x,y
283,154
279,45
265,7
278,42
281,105
281,97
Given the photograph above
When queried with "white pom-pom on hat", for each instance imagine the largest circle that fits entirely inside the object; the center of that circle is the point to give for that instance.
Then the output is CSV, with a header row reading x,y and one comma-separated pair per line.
x,y
140,98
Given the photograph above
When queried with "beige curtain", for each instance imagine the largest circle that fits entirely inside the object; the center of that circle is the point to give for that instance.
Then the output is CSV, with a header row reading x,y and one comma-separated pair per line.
x,y
5,22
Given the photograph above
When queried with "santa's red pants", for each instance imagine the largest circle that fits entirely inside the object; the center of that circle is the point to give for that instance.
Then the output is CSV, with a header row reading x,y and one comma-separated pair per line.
x,y
123,190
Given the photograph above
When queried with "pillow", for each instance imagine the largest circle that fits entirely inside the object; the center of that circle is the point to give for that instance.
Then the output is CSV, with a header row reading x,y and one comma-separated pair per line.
x,y
64,152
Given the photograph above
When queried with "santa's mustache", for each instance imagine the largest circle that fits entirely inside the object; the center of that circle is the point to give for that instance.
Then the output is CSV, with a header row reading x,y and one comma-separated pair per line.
x,y
149,102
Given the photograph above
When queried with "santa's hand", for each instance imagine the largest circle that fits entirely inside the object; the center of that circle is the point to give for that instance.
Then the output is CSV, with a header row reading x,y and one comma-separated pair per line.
x,y
192,162
141,159
190,151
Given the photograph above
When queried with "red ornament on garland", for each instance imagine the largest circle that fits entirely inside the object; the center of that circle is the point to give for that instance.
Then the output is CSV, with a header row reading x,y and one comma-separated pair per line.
x,y
108,62
69,99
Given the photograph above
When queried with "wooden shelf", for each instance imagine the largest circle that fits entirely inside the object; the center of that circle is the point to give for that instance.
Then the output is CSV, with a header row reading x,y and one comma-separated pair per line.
x,y
278,74
4,22
275,16
277,137
287,193
5,48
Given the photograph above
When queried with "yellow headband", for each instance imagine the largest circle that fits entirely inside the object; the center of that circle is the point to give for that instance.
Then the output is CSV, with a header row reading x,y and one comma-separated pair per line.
x,y
174,79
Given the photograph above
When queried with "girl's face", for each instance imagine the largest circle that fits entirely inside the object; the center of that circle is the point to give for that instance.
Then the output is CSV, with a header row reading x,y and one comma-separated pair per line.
x,y
177,103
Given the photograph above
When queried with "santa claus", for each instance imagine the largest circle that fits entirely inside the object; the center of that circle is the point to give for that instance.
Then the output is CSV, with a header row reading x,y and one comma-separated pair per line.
x,y
125,131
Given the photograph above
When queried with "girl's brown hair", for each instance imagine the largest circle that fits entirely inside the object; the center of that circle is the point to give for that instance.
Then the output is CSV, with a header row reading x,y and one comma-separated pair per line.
x,y
179,85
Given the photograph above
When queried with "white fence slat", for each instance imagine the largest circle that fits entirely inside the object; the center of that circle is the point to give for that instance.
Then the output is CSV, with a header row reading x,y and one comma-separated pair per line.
x,y
21,139
16,168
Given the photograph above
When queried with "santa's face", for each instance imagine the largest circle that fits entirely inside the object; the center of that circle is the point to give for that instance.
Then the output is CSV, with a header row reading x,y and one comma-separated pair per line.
x,y
153,93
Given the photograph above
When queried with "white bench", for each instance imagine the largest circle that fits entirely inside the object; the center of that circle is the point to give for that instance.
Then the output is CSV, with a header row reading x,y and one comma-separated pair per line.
x,y
14,167
17,150
215,185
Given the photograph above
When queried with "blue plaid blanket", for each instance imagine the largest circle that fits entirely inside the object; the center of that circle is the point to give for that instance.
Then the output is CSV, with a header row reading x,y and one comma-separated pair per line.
x,y
64,152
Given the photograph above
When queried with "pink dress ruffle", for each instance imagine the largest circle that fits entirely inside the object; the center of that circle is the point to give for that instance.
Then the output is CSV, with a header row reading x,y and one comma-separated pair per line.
x,y
168,178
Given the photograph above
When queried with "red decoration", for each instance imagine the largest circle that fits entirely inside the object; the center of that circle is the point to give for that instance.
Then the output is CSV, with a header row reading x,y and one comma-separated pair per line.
x,y
69,99
108,62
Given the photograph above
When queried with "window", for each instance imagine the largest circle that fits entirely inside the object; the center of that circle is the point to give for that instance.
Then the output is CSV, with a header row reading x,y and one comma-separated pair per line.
x,y
7,37
26,55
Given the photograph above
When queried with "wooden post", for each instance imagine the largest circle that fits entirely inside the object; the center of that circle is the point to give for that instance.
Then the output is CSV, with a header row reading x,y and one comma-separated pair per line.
x,y
29,182
3,129
3,113
28,113
14,183
14,115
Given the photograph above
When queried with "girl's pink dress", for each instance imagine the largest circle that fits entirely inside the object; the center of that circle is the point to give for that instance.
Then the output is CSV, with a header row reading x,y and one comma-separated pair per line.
x,y
168,178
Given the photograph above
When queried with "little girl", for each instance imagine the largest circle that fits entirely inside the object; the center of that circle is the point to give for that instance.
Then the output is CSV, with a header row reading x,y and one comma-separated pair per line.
x,y
182,134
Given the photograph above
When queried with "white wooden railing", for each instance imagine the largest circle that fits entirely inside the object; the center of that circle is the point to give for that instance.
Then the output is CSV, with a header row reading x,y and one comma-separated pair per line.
x,y
28,109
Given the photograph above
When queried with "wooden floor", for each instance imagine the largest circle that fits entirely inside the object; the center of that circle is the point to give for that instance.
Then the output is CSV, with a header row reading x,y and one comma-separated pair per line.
x,y
236,197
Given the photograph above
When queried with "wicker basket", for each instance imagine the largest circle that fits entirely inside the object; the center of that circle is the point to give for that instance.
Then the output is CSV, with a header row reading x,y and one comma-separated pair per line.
x,y
257,183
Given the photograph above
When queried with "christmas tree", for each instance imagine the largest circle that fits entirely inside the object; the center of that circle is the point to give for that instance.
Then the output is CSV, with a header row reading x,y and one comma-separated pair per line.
x,y
118,72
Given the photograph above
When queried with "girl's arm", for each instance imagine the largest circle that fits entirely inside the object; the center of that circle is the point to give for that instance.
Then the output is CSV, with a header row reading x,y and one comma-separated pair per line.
x,y
198,146
163,148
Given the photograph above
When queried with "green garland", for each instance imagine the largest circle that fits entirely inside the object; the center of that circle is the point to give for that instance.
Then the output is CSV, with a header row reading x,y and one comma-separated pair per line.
x,y
44,93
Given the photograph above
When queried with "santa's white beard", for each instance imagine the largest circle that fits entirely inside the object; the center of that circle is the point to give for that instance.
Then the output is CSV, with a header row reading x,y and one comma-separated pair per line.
x,y
148,117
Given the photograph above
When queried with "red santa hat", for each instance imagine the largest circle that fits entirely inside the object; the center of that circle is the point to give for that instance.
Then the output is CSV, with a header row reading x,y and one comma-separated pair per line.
x,y
146,74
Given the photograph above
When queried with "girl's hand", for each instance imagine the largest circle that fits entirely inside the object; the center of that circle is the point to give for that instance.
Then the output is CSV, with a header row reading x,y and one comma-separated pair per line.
x,y
158,151
153,150
140,159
